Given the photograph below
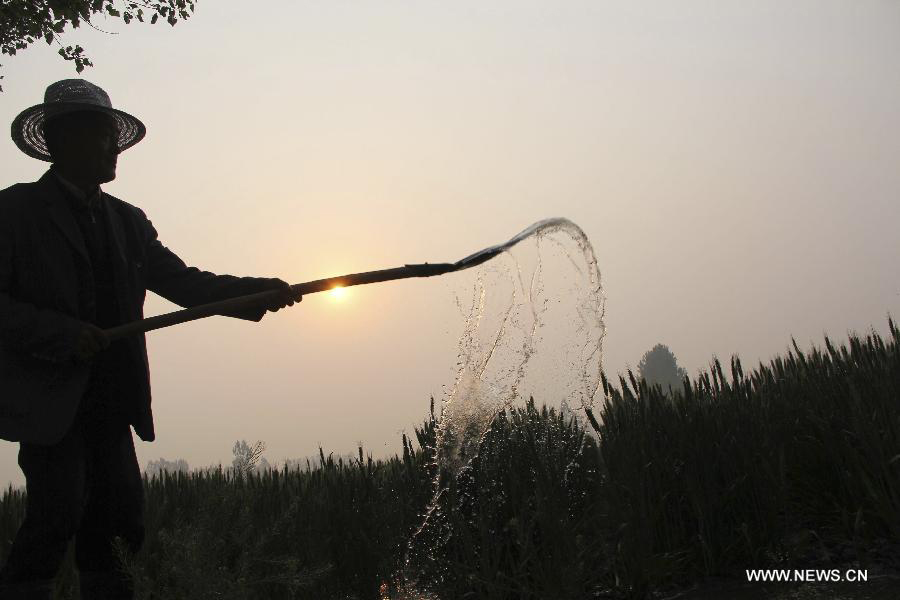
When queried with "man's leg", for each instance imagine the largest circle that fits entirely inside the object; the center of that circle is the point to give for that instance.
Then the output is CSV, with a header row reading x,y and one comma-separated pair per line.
x,y
54,483
114,508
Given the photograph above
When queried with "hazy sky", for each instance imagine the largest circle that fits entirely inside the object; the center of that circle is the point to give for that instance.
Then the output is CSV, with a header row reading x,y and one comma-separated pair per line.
x,y
734,163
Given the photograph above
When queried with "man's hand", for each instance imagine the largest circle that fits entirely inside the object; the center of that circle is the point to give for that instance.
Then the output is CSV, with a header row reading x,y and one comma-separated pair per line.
x,y
90,340
287,297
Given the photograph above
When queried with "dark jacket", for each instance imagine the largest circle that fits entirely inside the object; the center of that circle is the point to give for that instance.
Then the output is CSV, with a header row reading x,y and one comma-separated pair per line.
x,y
46,292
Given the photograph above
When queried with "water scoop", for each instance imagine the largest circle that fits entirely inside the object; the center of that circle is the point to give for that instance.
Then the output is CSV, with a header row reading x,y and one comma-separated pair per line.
x,y
322,285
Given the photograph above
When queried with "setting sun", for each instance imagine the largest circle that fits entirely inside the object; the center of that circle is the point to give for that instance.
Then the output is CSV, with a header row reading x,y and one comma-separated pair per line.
x,y
338,293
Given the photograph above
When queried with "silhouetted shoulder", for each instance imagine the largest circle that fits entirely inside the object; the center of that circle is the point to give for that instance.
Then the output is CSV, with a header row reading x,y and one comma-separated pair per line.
x,y
133,218
15,196
127,210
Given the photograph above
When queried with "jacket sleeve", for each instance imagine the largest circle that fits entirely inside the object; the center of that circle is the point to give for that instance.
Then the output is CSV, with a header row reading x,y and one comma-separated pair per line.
x,y
24,327
171,278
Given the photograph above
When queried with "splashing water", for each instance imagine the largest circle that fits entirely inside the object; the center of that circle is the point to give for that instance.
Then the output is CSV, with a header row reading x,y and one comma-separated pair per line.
x,y
534,327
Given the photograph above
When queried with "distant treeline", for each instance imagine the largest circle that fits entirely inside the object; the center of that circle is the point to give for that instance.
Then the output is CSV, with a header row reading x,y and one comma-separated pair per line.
x,y
794,465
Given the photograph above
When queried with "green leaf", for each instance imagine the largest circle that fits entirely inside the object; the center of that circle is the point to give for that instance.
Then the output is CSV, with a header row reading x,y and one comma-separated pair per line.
x,y
154,19
112,12
49,37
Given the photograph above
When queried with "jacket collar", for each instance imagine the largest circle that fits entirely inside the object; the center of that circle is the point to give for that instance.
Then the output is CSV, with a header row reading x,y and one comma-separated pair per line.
x,y
58,207
50,193
88,200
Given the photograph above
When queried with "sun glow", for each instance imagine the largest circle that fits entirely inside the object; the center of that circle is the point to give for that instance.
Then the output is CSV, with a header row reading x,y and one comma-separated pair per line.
x,y
338,292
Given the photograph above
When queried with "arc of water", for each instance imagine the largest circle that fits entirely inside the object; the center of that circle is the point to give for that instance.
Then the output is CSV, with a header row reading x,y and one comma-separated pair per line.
x,y
496,350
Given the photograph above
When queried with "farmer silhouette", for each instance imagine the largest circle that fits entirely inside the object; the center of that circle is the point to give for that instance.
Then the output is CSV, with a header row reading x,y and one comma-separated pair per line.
x,y
73,262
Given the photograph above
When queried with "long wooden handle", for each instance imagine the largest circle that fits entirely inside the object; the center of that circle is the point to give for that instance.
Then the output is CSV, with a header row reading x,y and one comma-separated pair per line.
x,y
255,300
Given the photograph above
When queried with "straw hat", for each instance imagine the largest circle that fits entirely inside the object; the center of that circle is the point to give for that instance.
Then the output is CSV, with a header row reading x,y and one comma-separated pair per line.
x,y
67,96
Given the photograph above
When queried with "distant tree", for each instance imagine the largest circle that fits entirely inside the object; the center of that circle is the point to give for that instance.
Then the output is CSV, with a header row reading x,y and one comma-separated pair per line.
x,y
156,467
248,459
23,22
659,366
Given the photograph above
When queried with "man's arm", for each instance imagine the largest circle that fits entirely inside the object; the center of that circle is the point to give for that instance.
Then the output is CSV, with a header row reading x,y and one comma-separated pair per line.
x,y
171,278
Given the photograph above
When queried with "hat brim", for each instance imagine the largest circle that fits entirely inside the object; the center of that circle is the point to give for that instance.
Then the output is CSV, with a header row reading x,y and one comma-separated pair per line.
x,y
28,127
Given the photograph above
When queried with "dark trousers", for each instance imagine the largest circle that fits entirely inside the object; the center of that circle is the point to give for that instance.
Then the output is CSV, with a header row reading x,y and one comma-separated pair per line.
x,y
87,486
